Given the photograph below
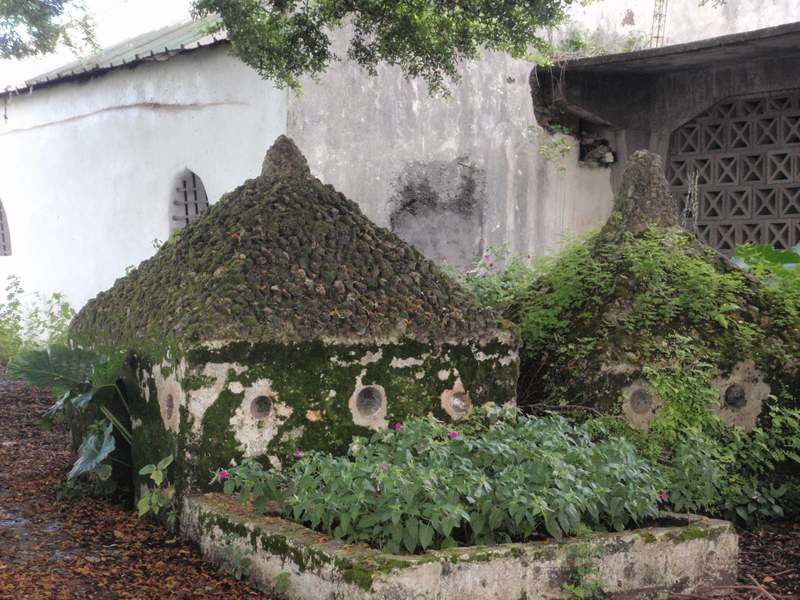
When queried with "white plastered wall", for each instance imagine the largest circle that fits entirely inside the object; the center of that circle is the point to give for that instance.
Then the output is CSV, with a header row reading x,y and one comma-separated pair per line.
x,y
86,169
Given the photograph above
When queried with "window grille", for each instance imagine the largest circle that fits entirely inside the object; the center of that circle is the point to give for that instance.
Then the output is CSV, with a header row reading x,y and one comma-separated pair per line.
x,y
5,236
189,200
743,157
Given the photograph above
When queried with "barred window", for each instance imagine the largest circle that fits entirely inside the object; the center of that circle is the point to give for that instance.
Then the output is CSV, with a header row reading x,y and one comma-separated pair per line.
x,y
189,200
5,236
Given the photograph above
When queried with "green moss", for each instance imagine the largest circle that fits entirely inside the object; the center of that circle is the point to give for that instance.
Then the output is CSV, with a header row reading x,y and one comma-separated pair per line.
x,y
300,546
317,380
616,304
151,440
647,537
693,532
284,258
217,445
358,576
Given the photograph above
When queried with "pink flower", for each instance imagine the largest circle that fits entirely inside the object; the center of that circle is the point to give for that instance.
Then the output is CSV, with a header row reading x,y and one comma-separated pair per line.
x,y
453,435
383,467
398,426
664,495
223,475
297,453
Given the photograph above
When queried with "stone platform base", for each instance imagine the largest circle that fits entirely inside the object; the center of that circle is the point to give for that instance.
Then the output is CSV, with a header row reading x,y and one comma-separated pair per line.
x,y
290,561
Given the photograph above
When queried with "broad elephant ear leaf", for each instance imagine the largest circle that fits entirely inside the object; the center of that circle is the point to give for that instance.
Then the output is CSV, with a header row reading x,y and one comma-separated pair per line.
x,y
57,366
93,451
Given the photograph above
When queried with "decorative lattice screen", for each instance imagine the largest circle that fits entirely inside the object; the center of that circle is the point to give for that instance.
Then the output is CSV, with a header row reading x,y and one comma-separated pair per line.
x,y
740,161
5,236
188,201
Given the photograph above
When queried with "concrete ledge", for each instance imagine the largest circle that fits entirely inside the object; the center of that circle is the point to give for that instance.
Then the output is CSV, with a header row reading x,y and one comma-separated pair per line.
x,y
685,555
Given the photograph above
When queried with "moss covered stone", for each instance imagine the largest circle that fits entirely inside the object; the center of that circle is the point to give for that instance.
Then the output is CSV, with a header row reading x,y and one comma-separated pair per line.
x,y
287,259
642,318
284,319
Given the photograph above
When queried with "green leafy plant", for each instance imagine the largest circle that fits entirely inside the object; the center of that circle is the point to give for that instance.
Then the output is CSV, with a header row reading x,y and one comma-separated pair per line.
x,y
674,316
501,477
31,28
577,41
33,323
282,585
779,269
694,477
558,146
84,380
236,562
95,449
153,500
497,278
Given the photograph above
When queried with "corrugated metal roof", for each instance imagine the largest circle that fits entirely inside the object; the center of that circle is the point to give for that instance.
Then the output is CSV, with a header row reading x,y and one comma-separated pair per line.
x,y
157,45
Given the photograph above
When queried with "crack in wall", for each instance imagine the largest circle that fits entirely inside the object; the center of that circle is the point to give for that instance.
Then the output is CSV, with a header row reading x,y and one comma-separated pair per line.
x,y
154,106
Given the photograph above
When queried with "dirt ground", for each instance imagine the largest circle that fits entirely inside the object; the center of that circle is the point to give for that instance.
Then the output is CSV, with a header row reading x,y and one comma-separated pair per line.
x,y
90,548
81,547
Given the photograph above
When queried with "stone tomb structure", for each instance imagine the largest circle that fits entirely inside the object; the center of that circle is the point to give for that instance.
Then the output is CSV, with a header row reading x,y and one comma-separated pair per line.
x,y
686,554
284,320
654,300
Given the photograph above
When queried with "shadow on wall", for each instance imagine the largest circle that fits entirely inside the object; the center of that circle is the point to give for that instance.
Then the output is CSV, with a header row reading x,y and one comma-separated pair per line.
x,y
438,207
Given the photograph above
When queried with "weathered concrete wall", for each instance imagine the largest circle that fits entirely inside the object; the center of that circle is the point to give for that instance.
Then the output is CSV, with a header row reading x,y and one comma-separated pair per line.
x,y
451,175
87,169
693,554
645,109
314,396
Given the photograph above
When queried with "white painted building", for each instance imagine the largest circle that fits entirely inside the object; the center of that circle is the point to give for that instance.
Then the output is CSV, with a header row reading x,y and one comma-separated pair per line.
x,y
93,155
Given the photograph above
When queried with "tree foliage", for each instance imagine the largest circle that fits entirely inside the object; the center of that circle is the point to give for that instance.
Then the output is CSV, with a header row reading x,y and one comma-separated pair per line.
x,y
30,27
286,39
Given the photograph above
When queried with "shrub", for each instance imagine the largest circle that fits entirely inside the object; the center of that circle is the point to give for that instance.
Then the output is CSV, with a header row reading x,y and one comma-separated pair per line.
x,y
27,325
497,278
779,269
496,478
89,390
670,311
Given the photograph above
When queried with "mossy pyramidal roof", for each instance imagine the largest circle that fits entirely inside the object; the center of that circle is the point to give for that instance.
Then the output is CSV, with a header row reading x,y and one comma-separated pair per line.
x,y
284,258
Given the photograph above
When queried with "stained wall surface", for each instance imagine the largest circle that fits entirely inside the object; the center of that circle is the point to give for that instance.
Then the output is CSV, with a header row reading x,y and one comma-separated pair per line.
x,y
88,168
452,175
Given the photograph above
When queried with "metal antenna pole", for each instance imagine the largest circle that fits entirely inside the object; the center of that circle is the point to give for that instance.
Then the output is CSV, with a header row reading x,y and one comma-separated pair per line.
x,y
659,23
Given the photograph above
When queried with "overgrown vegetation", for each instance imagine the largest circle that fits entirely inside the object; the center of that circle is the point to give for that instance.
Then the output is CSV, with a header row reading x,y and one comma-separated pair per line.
x,y
31,321
158,496
614,308
92,398
498,477
31,28
779,269
576,41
